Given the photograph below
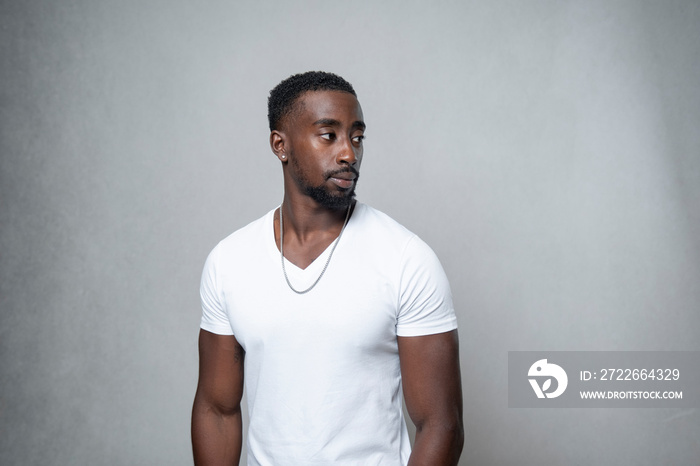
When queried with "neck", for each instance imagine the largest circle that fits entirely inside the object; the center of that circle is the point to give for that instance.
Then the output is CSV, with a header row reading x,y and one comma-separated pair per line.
x,y
304,217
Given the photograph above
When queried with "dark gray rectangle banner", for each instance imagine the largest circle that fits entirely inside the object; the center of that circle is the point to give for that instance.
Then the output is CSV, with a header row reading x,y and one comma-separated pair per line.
x,y
603,379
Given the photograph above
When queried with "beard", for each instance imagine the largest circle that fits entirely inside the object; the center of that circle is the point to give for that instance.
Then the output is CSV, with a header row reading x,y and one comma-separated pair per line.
x,y
325,197
330,200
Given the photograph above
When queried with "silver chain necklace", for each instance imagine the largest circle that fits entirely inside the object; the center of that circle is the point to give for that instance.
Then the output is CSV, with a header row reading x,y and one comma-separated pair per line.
x,y
284,270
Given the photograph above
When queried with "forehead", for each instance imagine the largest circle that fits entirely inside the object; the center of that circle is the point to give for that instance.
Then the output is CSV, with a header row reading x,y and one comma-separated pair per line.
x,y
312,106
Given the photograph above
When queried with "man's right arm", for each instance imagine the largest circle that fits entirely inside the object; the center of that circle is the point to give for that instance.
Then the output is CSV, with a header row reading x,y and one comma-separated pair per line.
x,y
216,414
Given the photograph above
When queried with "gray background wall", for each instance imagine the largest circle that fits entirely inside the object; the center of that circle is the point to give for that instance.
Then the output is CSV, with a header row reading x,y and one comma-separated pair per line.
x,y
549,151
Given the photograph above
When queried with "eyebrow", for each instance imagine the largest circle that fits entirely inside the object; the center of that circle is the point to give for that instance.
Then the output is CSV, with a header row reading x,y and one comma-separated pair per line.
x,y
332,122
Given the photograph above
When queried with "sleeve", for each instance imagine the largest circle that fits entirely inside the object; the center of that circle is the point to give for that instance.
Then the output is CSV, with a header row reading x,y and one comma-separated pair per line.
x,y
425,298
214,317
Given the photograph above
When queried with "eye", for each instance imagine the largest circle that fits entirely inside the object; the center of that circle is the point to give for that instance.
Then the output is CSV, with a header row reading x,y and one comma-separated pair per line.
x,y
328,136
359,139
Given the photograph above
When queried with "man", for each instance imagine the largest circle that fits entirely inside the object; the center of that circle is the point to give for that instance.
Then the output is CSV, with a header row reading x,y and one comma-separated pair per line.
x,y
331,307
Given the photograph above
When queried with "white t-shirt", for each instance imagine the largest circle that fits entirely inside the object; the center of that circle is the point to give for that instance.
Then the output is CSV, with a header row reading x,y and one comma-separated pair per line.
x,y
322,372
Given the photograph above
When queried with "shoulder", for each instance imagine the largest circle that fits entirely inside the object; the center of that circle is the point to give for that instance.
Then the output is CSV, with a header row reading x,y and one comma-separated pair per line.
x,y
243,244
389,233
379,223
242,238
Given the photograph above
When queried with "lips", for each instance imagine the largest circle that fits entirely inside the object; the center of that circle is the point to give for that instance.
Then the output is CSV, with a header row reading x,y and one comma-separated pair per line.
x,y
344,176
344,181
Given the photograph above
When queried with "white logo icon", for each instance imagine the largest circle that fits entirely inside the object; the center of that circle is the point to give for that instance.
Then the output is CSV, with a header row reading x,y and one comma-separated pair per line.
x,y
542,369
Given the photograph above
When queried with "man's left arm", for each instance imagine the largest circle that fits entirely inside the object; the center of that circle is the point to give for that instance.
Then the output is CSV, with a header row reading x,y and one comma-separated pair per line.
x,y
433,393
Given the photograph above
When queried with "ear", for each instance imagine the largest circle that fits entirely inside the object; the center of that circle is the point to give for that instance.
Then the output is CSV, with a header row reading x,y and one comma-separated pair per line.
x,y
277,144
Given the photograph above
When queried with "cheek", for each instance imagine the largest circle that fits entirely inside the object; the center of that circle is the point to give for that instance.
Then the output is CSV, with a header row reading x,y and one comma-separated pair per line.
x,y
309,170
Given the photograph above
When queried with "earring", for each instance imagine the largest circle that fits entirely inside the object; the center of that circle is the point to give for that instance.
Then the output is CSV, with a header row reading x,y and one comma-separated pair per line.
x,y
284,156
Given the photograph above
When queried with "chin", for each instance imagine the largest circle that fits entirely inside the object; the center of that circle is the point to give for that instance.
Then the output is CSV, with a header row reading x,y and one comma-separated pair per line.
x,y
330,198
338,200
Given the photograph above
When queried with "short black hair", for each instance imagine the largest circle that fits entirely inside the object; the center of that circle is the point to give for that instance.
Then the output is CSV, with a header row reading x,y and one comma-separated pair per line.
x,y
282,97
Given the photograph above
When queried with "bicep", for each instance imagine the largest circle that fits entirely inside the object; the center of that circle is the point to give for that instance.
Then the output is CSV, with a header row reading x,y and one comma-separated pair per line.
x,y
221,360
431,377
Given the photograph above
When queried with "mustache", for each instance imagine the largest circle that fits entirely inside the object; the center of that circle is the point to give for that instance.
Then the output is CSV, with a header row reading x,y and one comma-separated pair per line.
x,y
352,170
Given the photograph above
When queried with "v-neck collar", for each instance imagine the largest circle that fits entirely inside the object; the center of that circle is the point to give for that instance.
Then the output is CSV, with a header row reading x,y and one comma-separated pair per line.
x,y
315,267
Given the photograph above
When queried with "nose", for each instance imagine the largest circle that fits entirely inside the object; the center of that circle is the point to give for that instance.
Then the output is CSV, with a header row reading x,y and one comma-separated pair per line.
x,y
349,154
